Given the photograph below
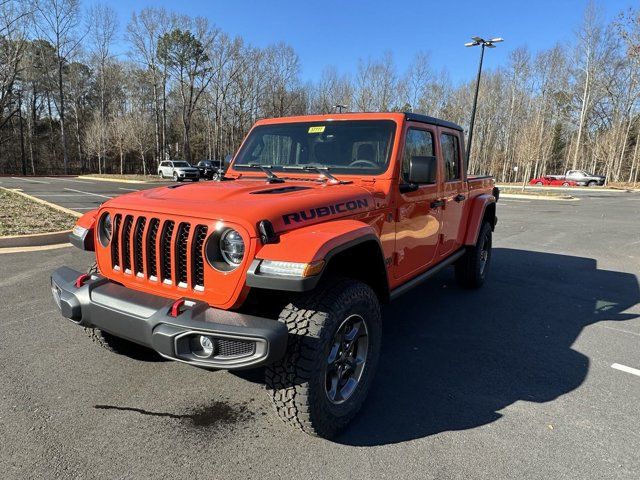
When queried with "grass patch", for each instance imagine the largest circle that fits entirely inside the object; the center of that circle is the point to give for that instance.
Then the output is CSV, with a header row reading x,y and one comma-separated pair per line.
x,y
21,216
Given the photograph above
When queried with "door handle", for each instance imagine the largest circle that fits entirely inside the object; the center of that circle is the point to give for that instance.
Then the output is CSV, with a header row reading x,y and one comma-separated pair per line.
x,y
458,198
437,203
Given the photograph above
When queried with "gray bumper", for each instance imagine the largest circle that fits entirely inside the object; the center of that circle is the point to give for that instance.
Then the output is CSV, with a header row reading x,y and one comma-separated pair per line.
x,y
240,341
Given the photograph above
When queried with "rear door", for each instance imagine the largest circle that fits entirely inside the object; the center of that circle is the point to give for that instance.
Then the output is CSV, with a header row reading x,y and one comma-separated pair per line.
x,y
417,221
454,190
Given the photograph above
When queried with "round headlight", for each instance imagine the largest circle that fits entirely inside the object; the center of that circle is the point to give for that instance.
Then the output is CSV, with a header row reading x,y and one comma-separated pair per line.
x,y
232,247
105,229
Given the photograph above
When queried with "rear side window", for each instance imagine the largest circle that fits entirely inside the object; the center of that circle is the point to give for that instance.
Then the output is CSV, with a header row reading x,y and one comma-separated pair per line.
x,y
419,143
451,156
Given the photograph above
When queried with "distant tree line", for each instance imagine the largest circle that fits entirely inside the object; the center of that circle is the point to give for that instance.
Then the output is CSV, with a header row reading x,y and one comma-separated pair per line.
x,y
185,89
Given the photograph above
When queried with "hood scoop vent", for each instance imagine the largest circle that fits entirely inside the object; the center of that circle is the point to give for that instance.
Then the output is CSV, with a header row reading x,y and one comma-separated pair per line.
x,y
276,191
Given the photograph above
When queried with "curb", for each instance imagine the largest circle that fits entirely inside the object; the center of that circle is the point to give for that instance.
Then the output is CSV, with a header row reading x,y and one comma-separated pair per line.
x,y
44,202
561,188
55,246
565,198
115,180
35,239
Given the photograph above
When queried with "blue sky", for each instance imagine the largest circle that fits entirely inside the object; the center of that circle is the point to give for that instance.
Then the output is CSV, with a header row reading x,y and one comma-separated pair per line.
x,y
335,32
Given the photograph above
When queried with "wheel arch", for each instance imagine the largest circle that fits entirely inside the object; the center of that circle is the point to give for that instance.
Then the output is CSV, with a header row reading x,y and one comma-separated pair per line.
x,y
483,209
349,248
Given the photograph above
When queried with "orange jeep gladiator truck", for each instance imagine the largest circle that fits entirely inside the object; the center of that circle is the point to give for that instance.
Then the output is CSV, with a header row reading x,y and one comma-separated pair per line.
x,y
285,261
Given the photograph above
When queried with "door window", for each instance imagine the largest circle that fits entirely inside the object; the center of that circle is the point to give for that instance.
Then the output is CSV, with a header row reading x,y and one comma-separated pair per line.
x,y
418,143
451,156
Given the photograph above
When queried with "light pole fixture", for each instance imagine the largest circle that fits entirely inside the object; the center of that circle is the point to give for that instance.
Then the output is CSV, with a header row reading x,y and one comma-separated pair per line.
x,y
339,107
483,43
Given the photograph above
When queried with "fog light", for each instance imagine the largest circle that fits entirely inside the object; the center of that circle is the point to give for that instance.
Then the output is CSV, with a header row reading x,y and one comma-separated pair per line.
x,y
202,346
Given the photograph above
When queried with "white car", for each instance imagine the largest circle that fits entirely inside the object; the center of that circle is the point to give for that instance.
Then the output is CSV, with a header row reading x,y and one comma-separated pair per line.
x,y
179,170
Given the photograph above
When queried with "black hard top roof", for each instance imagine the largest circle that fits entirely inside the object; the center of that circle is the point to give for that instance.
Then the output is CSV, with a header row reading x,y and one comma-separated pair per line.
x,y
416,117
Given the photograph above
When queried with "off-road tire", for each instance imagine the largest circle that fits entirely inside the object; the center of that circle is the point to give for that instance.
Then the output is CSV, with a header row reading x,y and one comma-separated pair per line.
x,y
297,382
120,345
469,270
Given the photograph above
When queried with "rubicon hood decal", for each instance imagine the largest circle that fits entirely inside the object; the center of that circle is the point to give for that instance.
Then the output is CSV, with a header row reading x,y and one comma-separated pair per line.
x,y
325,210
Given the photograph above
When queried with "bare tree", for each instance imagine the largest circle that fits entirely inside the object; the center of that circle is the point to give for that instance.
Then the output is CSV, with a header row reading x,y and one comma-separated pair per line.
x,y
102,26
57,22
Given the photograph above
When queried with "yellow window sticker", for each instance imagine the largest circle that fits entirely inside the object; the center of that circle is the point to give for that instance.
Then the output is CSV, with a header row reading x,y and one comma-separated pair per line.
x,y
318,129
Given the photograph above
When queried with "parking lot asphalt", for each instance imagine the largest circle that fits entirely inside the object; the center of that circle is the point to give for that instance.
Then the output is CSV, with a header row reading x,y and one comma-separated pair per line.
x,y
79,194
514,380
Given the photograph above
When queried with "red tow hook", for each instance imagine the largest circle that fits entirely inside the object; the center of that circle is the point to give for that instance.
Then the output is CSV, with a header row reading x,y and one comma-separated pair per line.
x,y
81,279
175,308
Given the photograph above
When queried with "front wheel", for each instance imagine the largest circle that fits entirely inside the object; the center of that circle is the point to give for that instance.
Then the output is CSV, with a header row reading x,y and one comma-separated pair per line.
x,y
539,183
591,183
473,267
331,359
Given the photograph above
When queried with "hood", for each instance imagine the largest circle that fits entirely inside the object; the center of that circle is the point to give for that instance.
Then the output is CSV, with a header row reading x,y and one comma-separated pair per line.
x,y
287,205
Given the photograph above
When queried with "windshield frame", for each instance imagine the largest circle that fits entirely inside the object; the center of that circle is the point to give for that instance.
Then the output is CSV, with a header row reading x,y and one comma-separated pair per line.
x,y
340,171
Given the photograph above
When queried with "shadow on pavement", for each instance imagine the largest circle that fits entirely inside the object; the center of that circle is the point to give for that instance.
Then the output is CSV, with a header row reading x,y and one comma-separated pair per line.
x,y
452,359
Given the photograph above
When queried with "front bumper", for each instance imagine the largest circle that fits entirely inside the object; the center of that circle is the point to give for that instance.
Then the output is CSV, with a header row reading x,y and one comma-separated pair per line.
x,y
189,174
240,341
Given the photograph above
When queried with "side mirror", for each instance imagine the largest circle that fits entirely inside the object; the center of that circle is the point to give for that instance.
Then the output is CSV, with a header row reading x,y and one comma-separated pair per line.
x,y
423,169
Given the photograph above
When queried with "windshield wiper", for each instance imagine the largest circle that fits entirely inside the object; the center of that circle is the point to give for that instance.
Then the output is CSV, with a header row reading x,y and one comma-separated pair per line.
x,y
271,177
324,171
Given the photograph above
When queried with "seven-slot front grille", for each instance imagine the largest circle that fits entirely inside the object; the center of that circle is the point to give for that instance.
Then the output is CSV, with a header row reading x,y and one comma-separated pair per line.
x,y
159,250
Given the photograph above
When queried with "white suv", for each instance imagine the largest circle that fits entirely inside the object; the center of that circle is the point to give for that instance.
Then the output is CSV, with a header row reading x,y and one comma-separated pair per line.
x,y
179,170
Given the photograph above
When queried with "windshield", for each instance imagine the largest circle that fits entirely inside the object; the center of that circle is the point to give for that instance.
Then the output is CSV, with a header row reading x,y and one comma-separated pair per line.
x,y
358,147
181,164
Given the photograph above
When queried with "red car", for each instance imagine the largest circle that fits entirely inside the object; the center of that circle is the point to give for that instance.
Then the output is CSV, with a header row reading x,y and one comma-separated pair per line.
x,y
552,181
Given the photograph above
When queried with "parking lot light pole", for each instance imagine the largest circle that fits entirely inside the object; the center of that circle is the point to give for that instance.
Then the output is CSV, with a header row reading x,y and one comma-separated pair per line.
x,y
483,43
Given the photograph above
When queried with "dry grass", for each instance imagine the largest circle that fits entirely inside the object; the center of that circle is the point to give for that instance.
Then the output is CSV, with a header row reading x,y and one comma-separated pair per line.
x,y
21,216
534,193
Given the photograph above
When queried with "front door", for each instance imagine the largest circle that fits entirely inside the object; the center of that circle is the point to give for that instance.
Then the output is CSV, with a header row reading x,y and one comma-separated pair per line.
x,y
417,220
454,192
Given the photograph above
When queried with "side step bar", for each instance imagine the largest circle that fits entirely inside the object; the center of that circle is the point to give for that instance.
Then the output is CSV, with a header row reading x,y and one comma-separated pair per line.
x,y
426,275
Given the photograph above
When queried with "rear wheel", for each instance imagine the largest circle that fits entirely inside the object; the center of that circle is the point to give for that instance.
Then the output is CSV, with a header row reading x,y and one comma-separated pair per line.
x,y
473,267
591,183
539,183
565,184
331,358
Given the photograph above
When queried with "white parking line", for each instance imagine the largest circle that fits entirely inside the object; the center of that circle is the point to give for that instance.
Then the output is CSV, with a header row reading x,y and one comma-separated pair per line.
x,y
624,368
71,180
88,193
30,180
60,194
129,189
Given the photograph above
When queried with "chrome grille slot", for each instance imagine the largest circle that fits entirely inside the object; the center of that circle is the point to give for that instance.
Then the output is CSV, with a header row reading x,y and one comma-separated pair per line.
x,y
182,238
152,236
126,243
138,264
165,251
115,243
197,260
